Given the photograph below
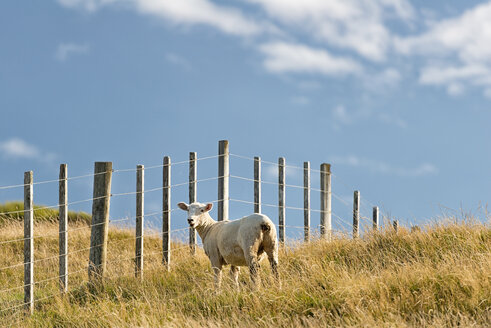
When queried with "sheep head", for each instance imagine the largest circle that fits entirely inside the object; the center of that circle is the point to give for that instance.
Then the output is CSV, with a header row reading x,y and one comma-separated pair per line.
x,y
195,212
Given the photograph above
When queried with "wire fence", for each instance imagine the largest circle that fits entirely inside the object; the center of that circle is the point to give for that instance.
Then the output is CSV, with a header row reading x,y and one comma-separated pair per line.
x,y
9,295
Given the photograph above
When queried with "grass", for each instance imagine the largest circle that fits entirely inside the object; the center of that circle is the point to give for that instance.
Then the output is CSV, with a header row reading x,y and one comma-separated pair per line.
x,y
14,211
433,278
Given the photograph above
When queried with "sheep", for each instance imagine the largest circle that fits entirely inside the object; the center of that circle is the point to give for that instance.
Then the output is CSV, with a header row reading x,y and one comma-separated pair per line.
x,y
240,242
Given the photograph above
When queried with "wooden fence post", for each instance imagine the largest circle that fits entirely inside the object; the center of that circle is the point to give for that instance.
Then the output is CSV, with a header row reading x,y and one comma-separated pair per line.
x,y
375,217
257,184
166,208
100,220
281,198
223,179
356,214
28,243
63,228
325,220
192,197
396,225
306,200
140,220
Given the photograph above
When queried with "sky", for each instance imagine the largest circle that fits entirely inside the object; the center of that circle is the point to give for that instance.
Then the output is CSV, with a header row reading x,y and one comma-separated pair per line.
x,y
395,94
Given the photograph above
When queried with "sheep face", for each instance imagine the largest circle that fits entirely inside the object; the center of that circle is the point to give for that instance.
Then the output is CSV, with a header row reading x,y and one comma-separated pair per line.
x,y
195,212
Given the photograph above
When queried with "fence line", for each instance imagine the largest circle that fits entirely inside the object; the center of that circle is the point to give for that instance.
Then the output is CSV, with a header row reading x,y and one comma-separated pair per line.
x,y
112,195
85,268
273,163
104,195
88,248
286,207
113,171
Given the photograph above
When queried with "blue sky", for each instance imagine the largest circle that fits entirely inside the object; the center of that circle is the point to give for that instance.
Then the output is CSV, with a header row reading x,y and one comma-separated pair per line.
x,y
395,94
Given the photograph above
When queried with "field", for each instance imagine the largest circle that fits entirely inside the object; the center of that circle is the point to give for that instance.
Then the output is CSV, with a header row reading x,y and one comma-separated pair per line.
x,y
440,276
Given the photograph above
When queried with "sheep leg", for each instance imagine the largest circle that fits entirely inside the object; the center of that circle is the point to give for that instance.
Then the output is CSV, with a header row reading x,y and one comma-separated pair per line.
x,y
274,268
273,260
253,269
234,274
217,269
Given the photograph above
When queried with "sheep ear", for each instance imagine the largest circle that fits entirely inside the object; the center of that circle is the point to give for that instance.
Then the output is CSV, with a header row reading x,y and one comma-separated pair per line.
x,y
208,207
183,206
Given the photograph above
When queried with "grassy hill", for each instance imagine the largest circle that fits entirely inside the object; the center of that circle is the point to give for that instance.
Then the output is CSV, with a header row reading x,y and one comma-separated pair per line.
x,y
441,277
15,213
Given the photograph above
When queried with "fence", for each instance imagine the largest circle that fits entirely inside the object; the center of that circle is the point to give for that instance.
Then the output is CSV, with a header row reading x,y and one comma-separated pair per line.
x,y
102,180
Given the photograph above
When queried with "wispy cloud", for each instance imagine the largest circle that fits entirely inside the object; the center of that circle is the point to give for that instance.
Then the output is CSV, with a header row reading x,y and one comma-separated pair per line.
x,y
282,57
356,25
178,60
457,51
89,5
227,19
16,148
190,12
300,100
342,116
385,168
66,50
351,37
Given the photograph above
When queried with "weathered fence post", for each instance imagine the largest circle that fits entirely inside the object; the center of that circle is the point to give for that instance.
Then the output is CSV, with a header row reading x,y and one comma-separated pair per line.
x,y
63,228
396,225
306,200
356,214
100,219
281,198
140,220
166,208
375,216
28,243
192,197
223,180
257,184
325,220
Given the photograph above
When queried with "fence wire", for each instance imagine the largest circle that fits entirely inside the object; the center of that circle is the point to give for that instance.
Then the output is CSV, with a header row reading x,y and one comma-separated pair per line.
x,y
341,225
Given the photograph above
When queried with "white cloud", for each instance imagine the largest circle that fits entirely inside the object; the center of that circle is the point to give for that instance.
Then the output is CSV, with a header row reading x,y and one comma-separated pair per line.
x,y
447,74
226,19
178,61
385,168
458,50
455,89
348,34
16,148
66,50
282,57
356,25
464,36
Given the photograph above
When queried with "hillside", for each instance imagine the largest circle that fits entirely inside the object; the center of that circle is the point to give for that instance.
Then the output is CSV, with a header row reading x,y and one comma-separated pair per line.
x,y
14,211
441,277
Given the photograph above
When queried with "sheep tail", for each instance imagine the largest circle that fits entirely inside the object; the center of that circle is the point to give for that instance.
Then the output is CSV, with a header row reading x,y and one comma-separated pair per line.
x,y
265,227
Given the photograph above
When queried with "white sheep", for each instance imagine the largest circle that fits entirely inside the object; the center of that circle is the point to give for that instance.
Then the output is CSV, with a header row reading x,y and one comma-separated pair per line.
x,y
241,242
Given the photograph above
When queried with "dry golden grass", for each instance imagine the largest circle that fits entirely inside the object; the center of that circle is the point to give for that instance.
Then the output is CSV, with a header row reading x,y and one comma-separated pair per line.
x,y
437,278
